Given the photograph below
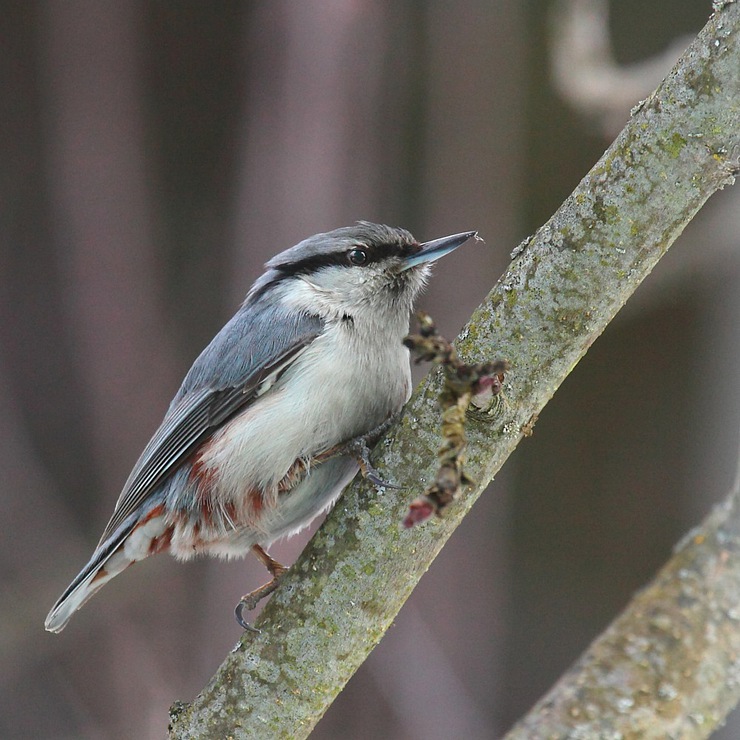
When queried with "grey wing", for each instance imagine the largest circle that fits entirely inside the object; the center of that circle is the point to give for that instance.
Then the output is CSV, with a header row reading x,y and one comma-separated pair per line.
x,y
244,359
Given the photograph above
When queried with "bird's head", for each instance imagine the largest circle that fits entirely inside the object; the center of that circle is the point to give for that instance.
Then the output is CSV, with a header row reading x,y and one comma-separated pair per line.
x,y
362,268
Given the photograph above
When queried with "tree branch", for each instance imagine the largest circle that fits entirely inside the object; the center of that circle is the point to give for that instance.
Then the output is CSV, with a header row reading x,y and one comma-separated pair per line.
x,y
667,666
560,292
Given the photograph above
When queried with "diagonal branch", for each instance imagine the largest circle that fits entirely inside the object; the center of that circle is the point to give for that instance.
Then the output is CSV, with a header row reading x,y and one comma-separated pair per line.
x,y
560,292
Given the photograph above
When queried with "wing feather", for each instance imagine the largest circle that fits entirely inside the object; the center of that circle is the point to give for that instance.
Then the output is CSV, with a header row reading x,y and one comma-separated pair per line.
x,y
225,379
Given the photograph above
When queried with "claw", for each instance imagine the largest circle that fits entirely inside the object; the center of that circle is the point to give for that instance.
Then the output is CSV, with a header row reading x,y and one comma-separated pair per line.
x,y
249,601
359,448
369,472
238,613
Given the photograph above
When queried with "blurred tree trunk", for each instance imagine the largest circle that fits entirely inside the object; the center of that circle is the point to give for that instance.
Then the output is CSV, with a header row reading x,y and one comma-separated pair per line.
x,y
110,301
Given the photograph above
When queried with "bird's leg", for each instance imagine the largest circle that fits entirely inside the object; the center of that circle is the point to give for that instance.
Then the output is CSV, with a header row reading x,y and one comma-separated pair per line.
x,y
249,601
359,448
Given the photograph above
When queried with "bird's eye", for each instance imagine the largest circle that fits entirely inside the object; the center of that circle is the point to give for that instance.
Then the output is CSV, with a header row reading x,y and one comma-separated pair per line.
x,y
357,256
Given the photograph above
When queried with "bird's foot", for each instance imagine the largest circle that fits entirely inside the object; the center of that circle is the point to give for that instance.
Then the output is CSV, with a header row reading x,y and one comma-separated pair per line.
x,y
359,448
249,601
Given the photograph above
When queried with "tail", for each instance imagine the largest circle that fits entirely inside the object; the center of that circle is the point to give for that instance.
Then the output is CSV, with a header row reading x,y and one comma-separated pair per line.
x,y
136,539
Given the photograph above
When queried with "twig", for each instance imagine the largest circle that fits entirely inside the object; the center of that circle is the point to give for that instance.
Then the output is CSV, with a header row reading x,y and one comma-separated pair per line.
x,y
462,382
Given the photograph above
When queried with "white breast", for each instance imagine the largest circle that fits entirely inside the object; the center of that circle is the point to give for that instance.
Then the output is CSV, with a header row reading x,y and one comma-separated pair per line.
x,y
347,382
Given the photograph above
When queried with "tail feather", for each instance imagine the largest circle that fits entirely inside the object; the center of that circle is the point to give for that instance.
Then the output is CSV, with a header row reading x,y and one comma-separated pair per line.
x,y
91,579
134,540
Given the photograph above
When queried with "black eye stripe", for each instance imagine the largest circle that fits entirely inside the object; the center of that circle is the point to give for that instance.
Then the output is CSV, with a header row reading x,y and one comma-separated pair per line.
x,y
374,253
312,264
311,255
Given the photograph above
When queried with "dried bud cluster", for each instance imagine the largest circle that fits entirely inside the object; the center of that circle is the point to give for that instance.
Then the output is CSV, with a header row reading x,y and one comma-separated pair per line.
x,y
462,383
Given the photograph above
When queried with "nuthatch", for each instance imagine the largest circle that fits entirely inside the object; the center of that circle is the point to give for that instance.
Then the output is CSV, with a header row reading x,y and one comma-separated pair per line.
x,y
263,434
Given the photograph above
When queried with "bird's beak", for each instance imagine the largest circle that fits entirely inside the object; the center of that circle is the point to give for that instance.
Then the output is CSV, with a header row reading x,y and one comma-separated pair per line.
x,y
431,251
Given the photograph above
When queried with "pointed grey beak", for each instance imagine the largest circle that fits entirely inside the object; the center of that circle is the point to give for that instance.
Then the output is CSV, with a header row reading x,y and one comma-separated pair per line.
x,y
431,251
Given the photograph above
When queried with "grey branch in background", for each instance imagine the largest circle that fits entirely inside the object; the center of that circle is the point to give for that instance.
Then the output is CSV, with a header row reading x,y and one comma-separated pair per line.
x,y
562,289
668,665
585,71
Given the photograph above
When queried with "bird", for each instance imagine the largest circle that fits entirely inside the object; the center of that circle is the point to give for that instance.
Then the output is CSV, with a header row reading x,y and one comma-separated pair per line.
x,y
274,417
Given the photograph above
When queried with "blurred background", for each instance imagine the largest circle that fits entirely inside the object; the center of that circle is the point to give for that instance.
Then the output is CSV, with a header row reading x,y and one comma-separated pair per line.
x,y
155,154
